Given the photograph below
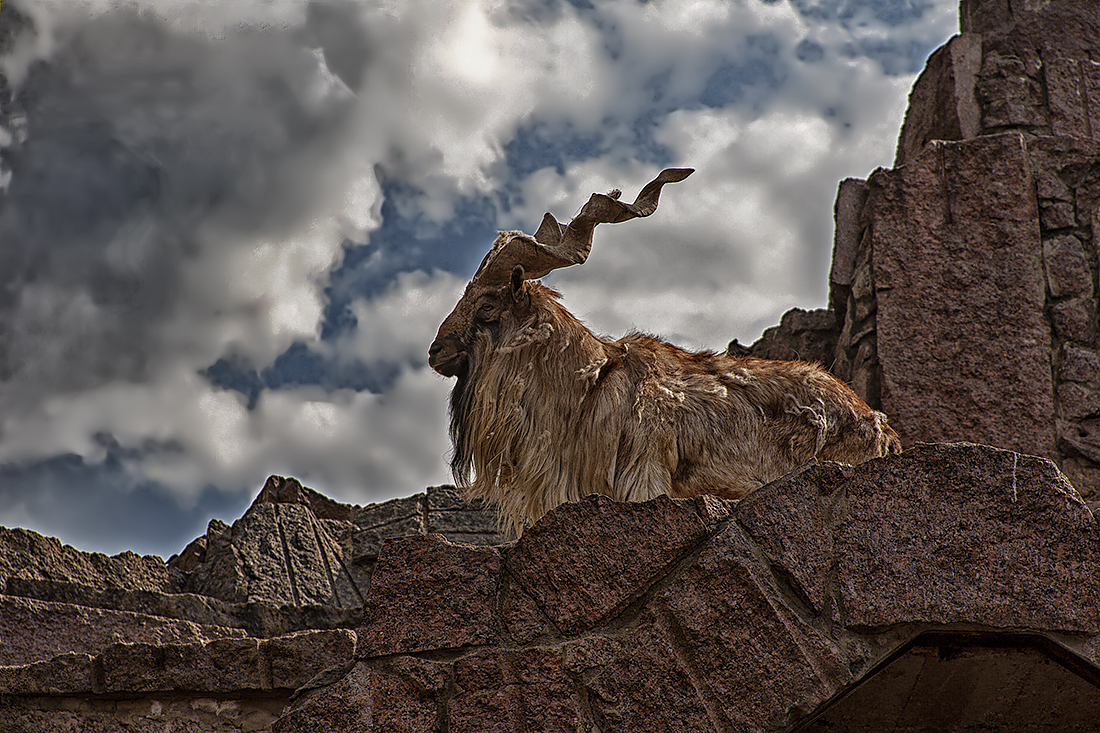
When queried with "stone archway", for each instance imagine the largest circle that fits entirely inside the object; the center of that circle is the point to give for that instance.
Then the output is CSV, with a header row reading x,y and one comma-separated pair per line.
x,y
955,681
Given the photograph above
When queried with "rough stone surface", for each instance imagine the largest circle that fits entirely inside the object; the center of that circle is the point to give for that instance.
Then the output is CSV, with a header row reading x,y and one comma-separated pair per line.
x,y
225,665
578,589
278,553
294,659
176,713
695,636
406,612
395,518
787,518
959,532
522,619
945,95
362,701
851,196
37,630
801,335
504,691
27,555
963,344
1068,272
1080,365
61,675
763,611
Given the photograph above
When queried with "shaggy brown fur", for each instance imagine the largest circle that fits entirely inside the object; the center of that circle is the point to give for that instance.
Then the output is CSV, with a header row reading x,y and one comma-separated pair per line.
x,y
545,412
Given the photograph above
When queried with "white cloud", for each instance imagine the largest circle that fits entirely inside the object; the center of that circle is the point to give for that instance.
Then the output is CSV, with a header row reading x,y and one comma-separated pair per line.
x,y
243,144
400,324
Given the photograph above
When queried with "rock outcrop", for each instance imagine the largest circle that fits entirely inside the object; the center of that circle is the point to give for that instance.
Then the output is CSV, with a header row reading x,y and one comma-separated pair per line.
x,y
702,615
964,280
218,637
954,566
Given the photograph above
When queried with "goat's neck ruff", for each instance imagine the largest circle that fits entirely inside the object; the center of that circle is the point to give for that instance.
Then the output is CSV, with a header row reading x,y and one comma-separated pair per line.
x,y
511,412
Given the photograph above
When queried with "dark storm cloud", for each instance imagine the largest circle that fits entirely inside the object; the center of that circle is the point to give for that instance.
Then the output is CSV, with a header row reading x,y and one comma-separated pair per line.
x,y
138,136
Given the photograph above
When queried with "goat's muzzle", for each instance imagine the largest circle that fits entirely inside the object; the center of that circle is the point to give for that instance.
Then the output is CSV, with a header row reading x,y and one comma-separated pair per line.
x,y
447,356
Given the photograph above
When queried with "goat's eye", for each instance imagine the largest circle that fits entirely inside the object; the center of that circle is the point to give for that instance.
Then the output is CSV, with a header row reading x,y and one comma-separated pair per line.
x,y
486,311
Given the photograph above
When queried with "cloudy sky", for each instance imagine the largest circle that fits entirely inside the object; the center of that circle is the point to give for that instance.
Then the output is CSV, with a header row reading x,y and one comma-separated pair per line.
x,y
229,230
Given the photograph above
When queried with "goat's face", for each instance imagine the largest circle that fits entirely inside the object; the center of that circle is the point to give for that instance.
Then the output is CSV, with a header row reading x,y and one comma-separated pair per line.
x,y
486,310
497,299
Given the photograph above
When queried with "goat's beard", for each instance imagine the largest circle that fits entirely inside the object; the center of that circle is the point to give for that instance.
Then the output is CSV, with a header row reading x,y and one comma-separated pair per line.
x,y
462,398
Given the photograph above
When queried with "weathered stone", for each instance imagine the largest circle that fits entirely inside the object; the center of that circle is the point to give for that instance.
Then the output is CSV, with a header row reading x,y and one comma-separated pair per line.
x,y
1009,91
28,555
966,533
379,522
365,544
448,498
185,606
64,674
426,675
954,367
1084,474
312,559
1068,272
787,520
522,618
642,684
279,490
627,548
942,103
279,553
505,691
1083,436
714,510
1078,402
801,335
36,630
297,658
405,610
851,195
192,557
177,713
362,701
983,16
224,665
1072,319
1087,198
724,631
1054,215
389,512
1066,93
465,523
1079,365
459,520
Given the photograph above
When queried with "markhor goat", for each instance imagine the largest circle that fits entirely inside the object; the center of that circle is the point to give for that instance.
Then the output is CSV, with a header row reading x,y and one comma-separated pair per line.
x,y
546,412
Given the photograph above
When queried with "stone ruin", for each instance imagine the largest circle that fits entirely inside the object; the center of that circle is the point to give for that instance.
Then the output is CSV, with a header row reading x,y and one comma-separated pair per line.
x,y
955,587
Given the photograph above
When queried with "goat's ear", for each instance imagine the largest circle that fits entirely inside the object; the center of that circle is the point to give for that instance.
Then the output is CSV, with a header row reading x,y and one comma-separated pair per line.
x,y
517,280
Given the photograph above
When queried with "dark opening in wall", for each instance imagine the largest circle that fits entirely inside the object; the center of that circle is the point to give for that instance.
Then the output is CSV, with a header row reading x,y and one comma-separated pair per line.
x,y
968,681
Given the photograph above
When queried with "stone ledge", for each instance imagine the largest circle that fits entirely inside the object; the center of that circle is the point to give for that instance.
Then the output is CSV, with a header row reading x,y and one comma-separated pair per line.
x,y
757,618
221,666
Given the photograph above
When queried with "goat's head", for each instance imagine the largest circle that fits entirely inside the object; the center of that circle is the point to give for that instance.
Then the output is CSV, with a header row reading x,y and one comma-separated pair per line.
x,y
496,297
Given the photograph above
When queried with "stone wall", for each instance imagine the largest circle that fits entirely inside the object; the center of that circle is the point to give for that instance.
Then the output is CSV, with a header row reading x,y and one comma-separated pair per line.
x,y
703,615
964,280
218,637
959,567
